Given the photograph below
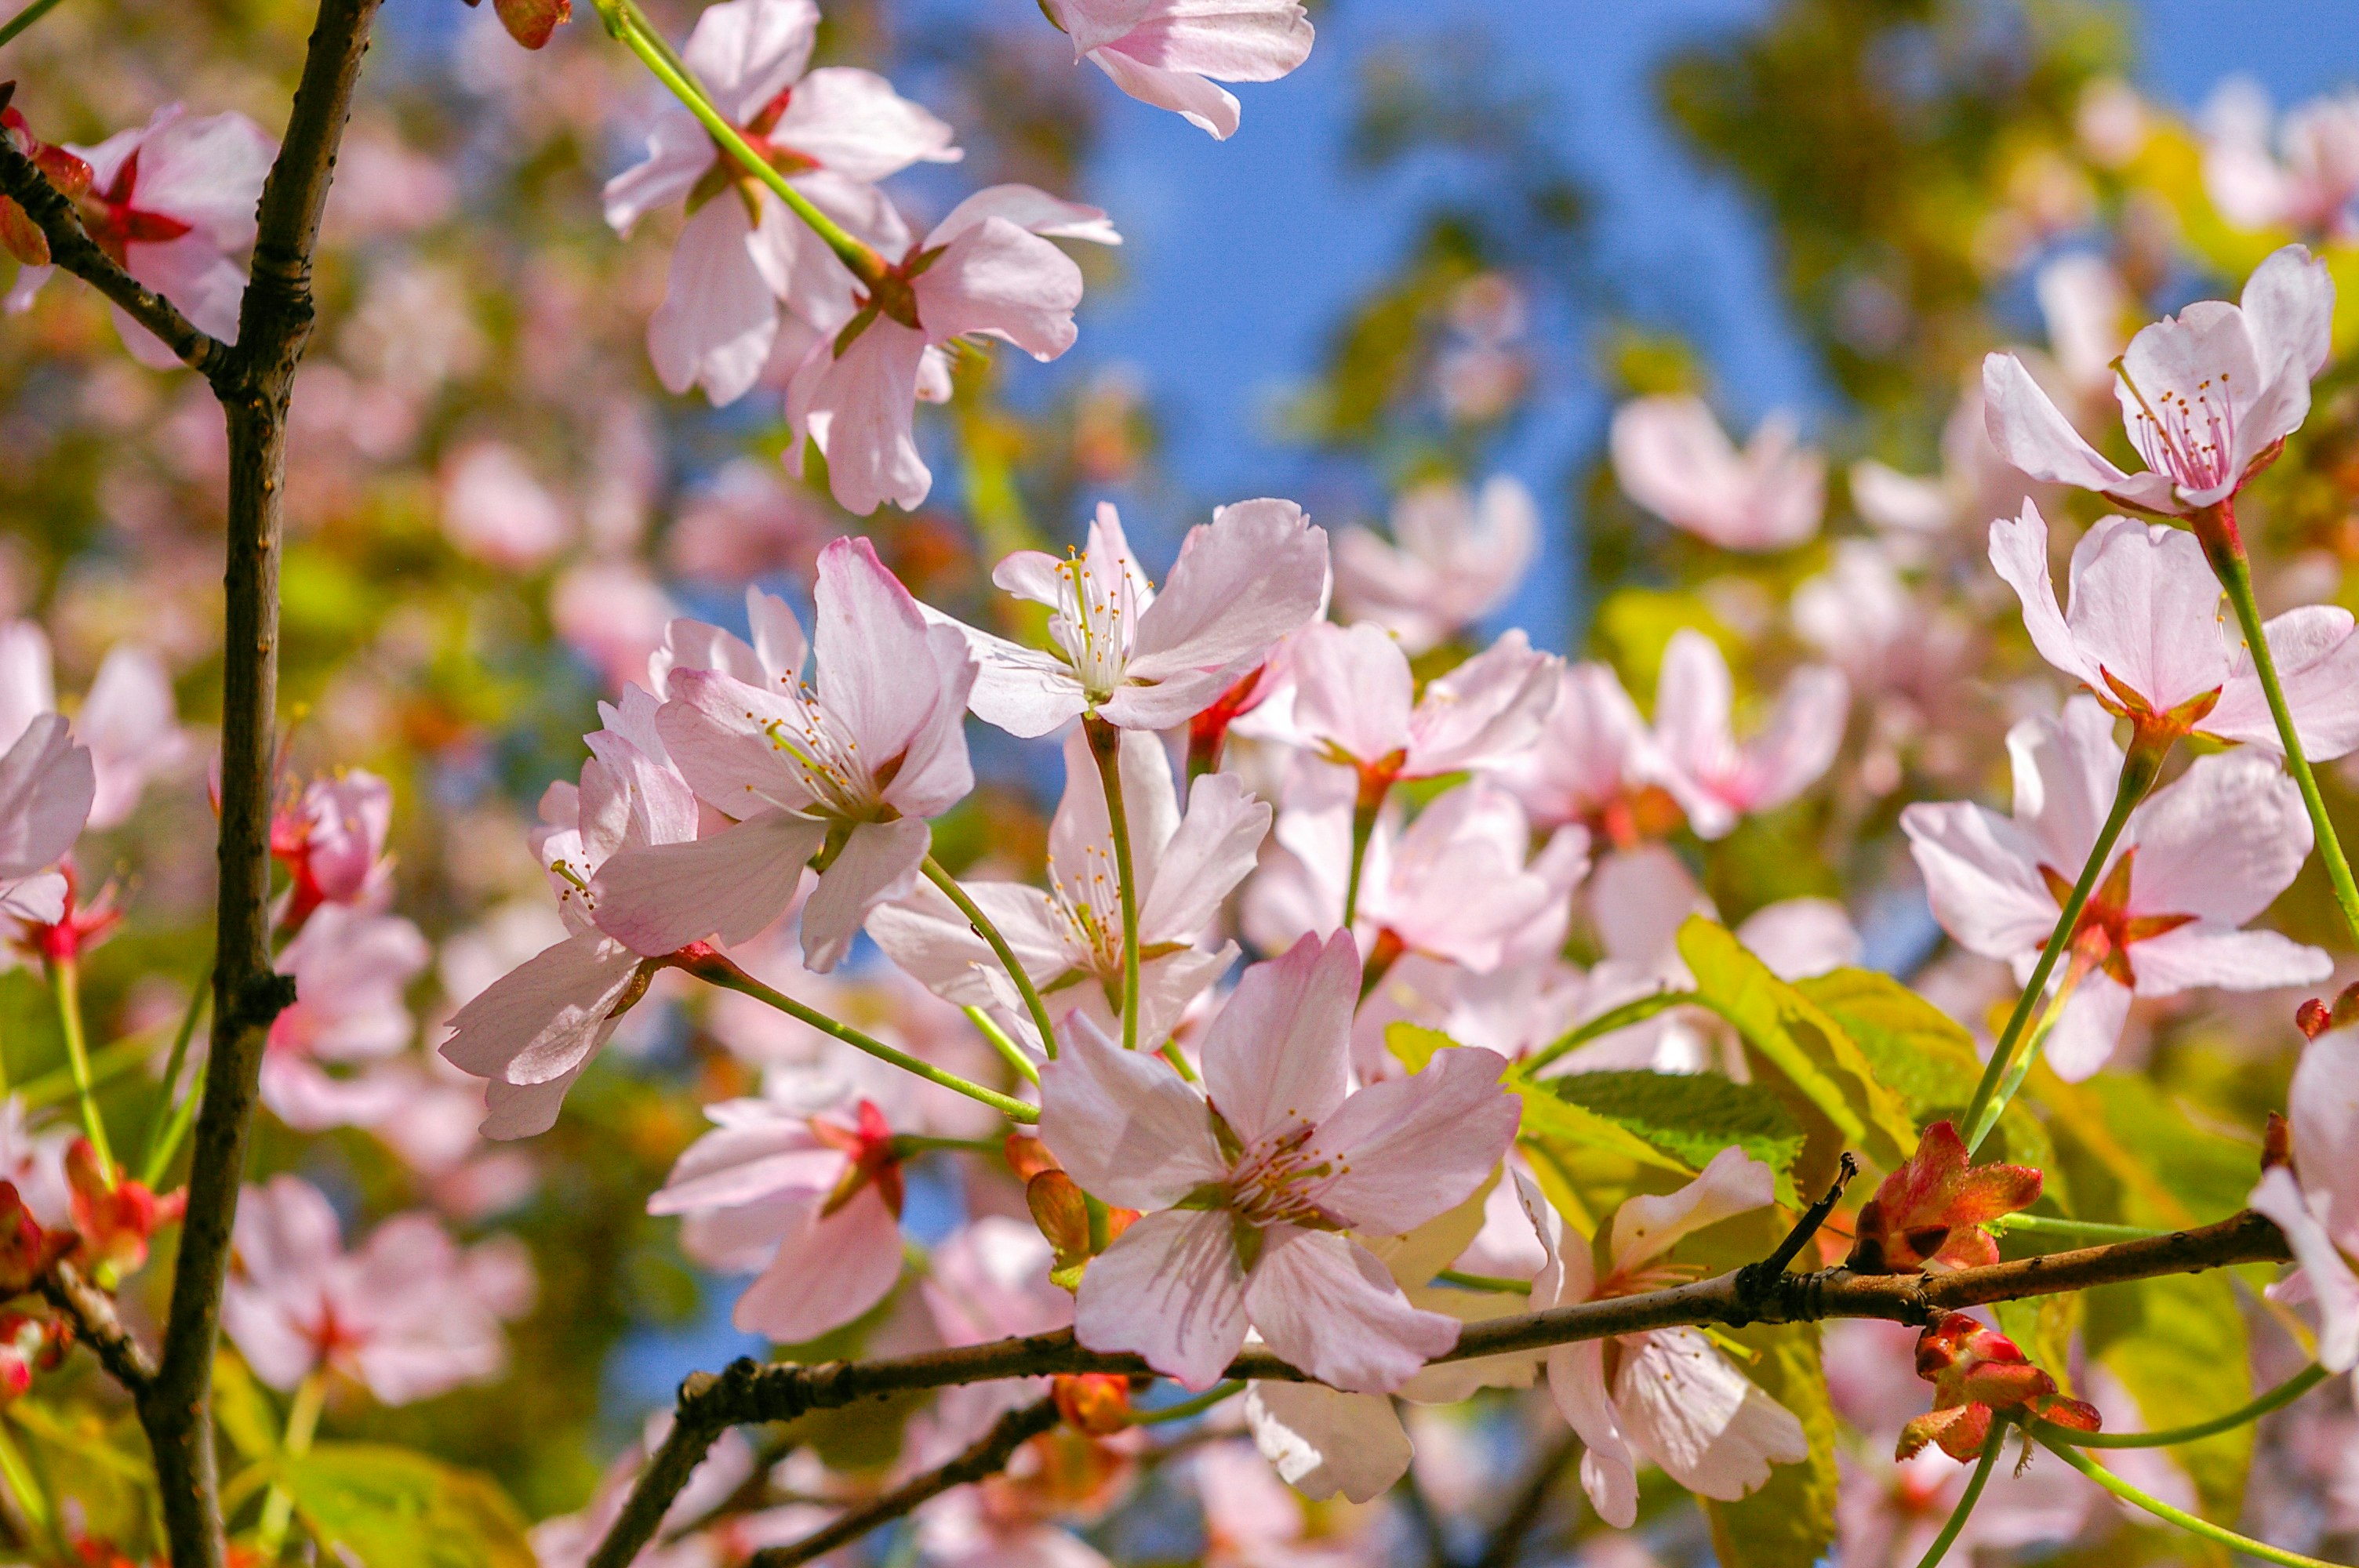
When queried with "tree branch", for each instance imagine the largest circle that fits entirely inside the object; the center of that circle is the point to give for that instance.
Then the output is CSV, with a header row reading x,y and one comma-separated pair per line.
x,y
273,325
71,247
91,1312
987,1457
750,1391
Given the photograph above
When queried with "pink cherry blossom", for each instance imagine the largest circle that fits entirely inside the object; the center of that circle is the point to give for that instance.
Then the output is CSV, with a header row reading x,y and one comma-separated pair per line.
x,y
532,1031
169,201
2316,1203
497,510
2204,855
1595,762
2305,182
2206,395
409,1314
990,1280
1454,558
833,132
47,783
1671,457
1069,937
1287,1162
1727,779
1253,1521
128,719
1669,1395
2087,310
612,614
1163,51
862,760
1356,701
809,1204
985,271
350,967
331,841
2145,632
1914,515
1144,660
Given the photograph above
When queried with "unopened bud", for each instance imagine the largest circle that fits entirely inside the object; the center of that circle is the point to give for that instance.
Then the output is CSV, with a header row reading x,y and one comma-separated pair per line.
x,y
2314,1019
1027,1155
2276,1143
1094,1402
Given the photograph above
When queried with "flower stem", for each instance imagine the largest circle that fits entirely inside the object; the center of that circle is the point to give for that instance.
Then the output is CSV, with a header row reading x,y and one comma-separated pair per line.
x,y
2139,766
1373,786
65,985
2284,1394
1973,1494
2218,1535
155,1145
1492,1283
2226,550
1187,1408
623,21
1009,1051
1606,1023
714,968
2075,973
1105,745
25,18
302,1425
2066,1229
983,929
106,1062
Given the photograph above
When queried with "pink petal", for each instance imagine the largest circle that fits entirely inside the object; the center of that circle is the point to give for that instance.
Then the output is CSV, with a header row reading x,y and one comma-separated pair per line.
x,y
718,317
1708,1426
827,1276
858,413
746,52
1127,1127
2206,954
544,1018
46,784
678,152
2146,610
935,774
1214,849
1608,1471
1982,877
2085,1036
207,171
1410,1149
1647,1226
1353,689
1323,1441
999,280
716,730
2317,658
2288,306
1209,107
659,898
853,122
1278,1055
1255,572
1231,41
2331,1284
1169,1289
878,862
2019,550
1029,208
2028,432
2325,1102
192,272
2065,772
1326,1305
2220,841
1486,710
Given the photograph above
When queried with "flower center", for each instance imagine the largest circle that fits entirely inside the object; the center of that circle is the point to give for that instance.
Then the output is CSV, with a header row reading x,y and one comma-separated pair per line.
x,y
826,759
1088,903
2102,939
1097,614
2192,438
1281,1180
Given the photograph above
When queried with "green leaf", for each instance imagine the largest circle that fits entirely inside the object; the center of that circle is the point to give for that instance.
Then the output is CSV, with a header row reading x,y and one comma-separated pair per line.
x,y
1571,1125
1790,1522
1799,1045
1414,1045
1691,1116
394,1507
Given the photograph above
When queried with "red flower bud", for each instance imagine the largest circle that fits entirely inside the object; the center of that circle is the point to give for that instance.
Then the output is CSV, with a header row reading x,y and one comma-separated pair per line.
x,y
1094,1402
1977,1372
115,1221
1927,1214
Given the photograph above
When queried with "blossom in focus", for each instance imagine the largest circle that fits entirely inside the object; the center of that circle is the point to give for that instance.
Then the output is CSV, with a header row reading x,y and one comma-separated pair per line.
x,y
1068,938
1726,779
350,967
856,766
1977,1372
331,837
1251,1184
1454,558
2200,857
2206,395
1356,702
832,132
168,202
1136,658
46,784
1668,1395
1928,1213
2305,181
1170,53
2147,633
2316,1201
1672,457
127,720
409,1314
808,1204
987,270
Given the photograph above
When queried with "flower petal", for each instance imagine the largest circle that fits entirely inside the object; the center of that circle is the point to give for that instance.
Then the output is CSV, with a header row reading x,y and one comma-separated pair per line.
x,y
1326,1305
1127,1127
1169,1289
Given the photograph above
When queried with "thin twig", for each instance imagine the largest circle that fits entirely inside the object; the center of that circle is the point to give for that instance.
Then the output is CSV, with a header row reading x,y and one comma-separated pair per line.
x,y
1761,1276
988,1456
91,1312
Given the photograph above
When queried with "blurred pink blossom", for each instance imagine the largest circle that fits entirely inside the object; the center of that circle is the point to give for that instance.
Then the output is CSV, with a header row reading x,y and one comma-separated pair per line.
x,y
1163,51
1452,559
1672,459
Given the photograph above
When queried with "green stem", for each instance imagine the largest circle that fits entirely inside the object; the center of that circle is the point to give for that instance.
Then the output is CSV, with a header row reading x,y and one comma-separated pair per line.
x,y
1105,744
982,927
2075,973
1491,1283
1179,1060
302,1425
1365,807
65,985
2236,575
657,57
2139,766
25,18
1008,1049
2067,1229
714,968
1606,1023
21,1481
160,1158
162,1118
106,1064
2218,1535
1966,1502
906,1144
2284,1394
1187,1408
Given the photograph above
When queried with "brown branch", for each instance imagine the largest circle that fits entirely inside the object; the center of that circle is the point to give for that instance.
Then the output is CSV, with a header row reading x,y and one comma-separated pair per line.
x,y
273,325
987,1457
749,1391
91,1312
71,247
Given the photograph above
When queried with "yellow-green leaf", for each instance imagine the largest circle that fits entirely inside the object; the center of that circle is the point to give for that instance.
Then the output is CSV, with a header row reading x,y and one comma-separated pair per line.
x,y
1691,1116
242,1410
1790,1522
394,1507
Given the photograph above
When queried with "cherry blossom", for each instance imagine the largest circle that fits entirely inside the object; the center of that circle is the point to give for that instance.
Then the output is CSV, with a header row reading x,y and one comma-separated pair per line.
x,y
1069,937
809,1204
1668,1395
1356,701
1454,558
127,720
169,201
1928,1213
532,1031
331,837
2316,1201
1139,659
1284,1163
1977,1372
1596,762
497,510
832,132
19,235
1913,515
987,270
2306,182
855,765
350,967
1671,457
2146,632
409,1314
1163,51
2204,855
46,784
1726,779
2206,395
